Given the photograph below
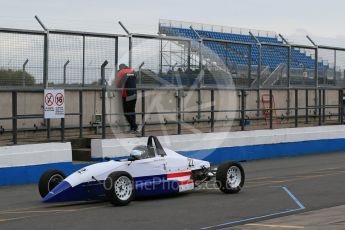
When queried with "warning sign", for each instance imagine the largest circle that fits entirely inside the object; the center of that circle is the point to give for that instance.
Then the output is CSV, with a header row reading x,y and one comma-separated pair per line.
x,y
59,99
49,99
54,103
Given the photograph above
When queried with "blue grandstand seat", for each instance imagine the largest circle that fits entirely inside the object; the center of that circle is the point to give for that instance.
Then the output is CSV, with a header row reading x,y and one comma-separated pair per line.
x,y
272,57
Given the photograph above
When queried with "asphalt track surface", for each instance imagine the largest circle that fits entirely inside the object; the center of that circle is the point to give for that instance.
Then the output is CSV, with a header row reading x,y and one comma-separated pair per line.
x,y
273,188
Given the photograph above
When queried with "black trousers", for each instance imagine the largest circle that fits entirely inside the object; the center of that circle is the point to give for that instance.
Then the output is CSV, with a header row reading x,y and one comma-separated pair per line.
x,y
129,107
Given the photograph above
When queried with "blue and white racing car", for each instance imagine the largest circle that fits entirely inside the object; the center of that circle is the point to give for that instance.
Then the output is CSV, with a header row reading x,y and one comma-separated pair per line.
x,y
149,170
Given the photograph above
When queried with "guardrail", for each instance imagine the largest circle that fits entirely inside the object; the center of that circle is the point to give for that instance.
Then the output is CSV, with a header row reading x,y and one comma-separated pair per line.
x,y
242,110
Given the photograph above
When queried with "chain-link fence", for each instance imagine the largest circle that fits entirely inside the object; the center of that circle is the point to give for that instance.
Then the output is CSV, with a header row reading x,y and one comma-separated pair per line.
x,y
69,59
21,58
162,61
303,66
331,66
275,62
211,82
55,59
227,63
75,60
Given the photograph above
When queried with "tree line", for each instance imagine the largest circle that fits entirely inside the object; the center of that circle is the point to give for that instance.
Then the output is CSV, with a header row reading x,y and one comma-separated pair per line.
x,y
15,78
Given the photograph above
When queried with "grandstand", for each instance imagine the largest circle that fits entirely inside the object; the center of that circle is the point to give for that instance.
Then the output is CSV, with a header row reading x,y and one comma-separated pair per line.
x,y
238,57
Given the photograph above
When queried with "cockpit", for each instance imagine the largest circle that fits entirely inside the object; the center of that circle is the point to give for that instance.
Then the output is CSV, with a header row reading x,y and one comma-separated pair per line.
x,y
152,149
140,152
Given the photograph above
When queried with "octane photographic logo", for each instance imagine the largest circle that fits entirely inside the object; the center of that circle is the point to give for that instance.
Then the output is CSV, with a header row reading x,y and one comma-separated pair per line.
x,y
167,80
158,185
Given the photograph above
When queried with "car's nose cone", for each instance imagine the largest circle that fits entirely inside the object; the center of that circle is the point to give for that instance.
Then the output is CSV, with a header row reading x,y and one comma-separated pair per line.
x,y
60,193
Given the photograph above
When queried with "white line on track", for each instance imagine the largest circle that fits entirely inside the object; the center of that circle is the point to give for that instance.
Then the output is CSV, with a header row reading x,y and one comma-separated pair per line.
x,y
228,224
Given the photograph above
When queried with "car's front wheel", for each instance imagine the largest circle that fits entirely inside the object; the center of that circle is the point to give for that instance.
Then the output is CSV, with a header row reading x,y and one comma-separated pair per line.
x,y
230,177
49,180
119,188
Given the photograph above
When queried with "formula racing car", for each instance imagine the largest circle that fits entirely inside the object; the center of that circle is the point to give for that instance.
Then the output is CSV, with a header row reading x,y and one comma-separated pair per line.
x,y
149,170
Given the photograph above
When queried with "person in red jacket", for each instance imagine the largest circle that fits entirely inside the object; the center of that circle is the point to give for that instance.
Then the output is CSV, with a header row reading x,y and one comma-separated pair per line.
x,y
126,80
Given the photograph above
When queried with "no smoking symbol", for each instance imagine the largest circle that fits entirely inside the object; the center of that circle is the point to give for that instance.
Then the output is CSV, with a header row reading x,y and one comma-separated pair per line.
x,y
49,99
59,99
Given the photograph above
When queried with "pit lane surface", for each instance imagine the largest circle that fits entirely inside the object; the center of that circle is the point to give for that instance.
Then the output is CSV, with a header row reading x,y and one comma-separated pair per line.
x,y
316,182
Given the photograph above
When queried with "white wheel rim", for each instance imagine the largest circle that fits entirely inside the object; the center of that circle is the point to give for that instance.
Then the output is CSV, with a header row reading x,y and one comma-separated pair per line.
x,y
234,177
123,188
53,179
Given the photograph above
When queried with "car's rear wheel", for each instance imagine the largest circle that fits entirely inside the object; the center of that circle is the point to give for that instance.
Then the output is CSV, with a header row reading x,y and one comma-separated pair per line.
x,y
119,188
230,177
49,180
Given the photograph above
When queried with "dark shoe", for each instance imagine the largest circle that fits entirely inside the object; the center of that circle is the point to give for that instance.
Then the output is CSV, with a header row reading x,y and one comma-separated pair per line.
x,y
134,132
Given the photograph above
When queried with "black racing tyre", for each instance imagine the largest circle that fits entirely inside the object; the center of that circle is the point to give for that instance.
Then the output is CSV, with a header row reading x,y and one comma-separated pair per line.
x,y
49,180
230,177
119,188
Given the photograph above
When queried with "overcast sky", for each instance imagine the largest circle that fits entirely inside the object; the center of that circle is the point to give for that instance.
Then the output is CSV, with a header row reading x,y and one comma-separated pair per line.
x,y
323,20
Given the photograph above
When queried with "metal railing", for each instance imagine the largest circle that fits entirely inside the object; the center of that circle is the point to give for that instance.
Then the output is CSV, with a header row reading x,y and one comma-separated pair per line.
x,y
298,120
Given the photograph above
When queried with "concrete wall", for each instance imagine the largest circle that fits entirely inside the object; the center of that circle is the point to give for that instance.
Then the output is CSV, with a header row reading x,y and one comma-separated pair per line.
x,y
246,145
24,164
35,154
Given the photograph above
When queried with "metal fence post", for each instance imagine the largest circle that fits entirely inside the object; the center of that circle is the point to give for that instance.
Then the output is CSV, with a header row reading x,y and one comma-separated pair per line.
x,y
323,105
258,103
83,70
341,105
288,102
288,81
320,107
249,65
24,72
226,57
306,106
289,68
242,109
64,71
296,107
212,110
271,109
45,74
14,117
316,68
335,67
116,56
62,129
103,97
189,54
81,113
259,81
130,44
130,57
48,129
259,65
45,53
201,79
179,112
161,57
143,111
